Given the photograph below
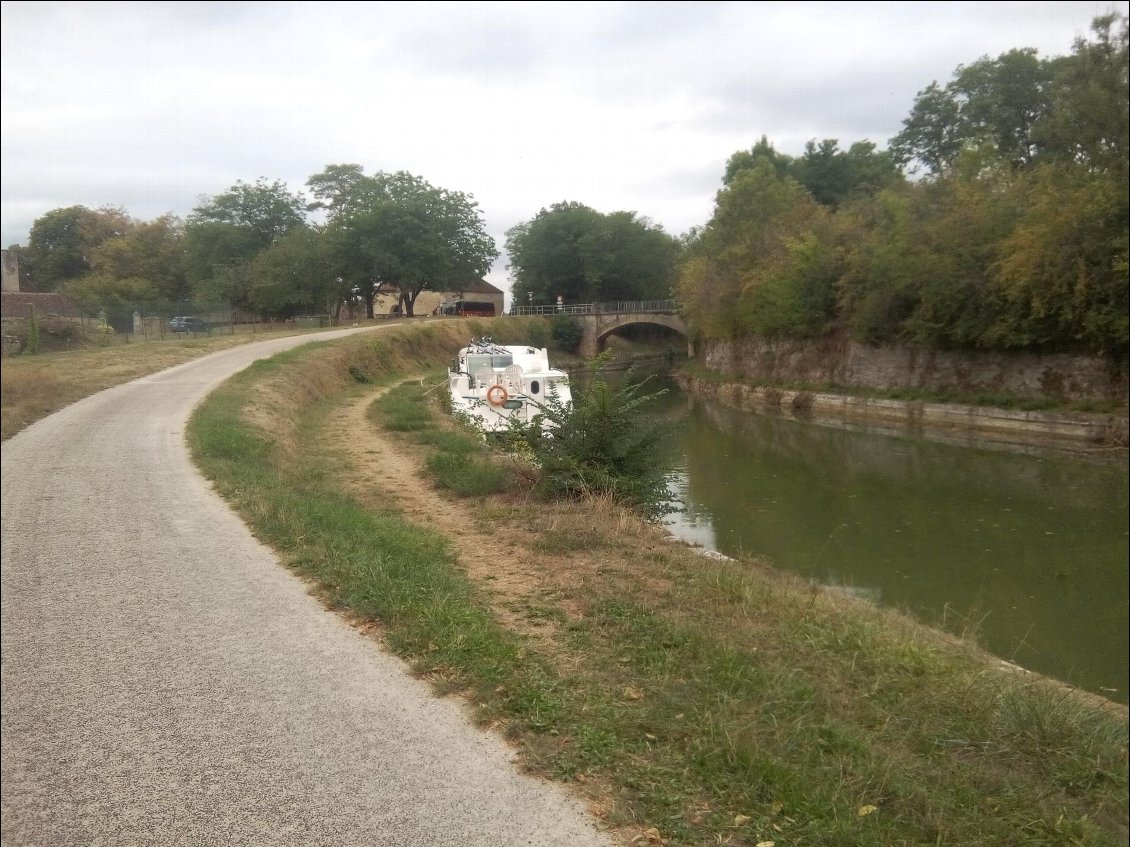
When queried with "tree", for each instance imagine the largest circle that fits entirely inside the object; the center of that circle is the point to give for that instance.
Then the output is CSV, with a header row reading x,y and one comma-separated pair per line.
x,y
959,225
993,102
567,332
930,136
797,298
1001,102
61,242
834,176
217,259
398,231
226,232
266,211
1063,269
1089,122
762,151
755,217
294,275
574,252
97,292
152,251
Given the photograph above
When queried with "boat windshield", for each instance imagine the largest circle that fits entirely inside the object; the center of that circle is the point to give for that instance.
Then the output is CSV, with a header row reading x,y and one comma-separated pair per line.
x,y
487,360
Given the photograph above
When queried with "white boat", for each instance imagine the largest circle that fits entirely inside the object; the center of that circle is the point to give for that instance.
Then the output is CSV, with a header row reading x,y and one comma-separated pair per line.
x,y
492,383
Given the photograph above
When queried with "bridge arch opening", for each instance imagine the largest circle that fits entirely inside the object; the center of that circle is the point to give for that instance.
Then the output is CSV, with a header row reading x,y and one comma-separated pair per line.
x,y
642,334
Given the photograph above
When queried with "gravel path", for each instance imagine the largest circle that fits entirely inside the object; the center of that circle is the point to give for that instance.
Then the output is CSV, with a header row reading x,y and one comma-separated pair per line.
x,y
165,681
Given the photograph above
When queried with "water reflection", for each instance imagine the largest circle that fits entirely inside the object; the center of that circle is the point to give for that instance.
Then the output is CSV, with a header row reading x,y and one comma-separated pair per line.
x,y
1030,551
1026,549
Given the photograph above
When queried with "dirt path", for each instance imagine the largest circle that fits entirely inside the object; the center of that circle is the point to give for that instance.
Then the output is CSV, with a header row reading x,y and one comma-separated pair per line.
x,y
385,471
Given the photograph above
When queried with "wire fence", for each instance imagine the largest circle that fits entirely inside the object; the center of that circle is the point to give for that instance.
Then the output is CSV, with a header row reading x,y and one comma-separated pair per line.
x,y
129,323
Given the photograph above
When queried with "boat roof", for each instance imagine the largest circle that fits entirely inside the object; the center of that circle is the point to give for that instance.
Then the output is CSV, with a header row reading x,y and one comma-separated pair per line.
x,y
535,360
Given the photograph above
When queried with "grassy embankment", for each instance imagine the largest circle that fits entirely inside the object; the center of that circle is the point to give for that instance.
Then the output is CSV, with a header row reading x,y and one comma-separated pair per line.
x,y
694,701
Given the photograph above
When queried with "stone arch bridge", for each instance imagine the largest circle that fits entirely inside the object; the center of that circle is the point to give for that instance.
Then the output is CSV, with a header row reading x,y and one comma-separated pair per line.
x,y
600,320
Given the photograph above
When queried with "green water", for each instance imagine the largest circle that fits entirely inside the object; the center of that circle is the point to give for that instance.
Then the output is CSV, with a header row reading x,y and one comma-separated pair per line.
x,y
1029,551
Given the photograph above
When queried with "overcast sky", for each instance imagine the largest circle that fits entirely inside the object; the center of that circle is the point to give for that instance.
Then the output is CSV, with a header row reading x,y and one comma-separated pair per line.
x,y
621,106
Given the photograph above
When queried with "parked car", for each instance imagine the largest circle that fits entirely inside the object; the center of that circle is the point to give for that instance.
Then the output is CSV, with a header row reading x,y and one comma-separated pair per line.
x,y
189,324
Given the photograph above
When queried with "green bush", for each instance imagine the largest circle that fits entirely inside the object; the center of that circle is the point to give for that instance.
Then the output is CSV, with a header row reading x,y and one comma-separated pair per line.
x,y
600,445
567,333
538,335
33,328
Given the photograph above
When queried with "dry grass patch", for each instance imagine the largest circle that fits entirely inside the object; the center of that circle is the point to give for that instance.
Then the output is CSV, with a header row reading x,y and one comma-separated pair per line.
x,y
34,386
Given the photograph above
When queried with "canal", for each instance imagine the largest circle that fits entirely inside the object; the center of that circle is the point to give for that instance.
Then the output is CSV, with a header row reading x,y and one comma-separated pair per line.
x,y
1025,552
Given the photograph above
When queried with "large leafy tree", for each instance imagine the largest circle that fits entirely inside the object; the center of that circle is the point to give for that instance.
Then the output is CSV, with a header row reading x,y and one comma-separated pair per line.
x,y
62,242
1089,123
1063,269
264,210
150,250
225,233
756,217
296,275
397,231
993,104
831,175
834,176
581,255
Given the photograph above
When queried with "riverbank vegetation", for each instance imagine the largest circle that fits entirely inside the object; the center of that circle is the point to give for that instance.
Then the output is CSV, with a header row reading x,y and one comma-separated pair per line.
x,y
692,700
1015,237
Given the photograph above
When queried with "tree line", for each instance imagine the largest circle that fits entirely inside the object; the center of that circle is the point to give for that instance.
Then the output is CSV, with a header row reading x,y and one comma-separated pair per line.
x,y
255,248
996,219
1013,235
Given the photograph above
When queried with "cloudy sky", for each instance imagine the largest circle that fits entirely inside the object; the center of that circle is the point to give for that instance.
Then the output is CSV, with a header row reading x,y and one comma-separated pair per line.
x,y
621,106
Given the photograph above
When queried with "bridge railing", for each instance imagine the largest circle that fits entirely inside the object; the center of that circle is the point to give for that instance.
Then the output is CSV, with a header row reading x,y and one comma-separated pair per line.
x,y
612,308
555,309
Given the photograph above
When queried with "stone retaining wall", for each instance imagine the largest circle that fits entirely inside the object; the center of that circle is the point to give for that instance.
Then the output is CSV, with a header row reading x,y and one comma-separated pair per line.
x,y
1061,377
972,423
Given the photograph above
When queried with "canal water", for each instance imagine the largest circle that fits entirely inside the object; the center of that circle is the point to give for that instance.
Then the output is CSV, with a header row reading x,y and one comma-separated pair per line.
x,y
1027,552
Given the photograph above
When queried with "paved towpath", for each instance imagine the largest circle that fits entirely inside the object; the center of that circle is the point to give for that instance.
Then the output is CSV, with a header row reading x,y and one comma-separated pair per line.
x,y
166,682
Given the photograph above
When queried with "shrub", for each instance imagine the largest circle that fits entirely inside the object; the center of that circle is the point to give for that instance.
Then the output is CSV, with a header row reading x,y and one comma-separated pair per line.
x,y
567,333
538,335
600,445
33,328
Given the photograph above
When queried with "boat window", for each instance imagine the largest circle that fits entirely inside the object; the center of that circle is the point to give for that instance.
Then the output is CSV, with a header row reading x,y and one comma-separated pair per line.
x,y
486,360
535,386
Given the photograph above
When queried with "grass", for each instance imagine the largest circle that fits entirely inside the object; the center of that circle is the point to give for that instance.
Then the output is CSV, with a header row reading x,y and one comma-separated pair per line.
x,y
34,386
460,463
708,701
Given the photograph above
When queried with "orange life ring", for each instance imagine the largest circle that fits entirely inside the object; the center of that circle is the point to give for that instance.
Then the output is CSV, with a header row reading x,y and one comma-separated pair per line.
x,y
496,395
